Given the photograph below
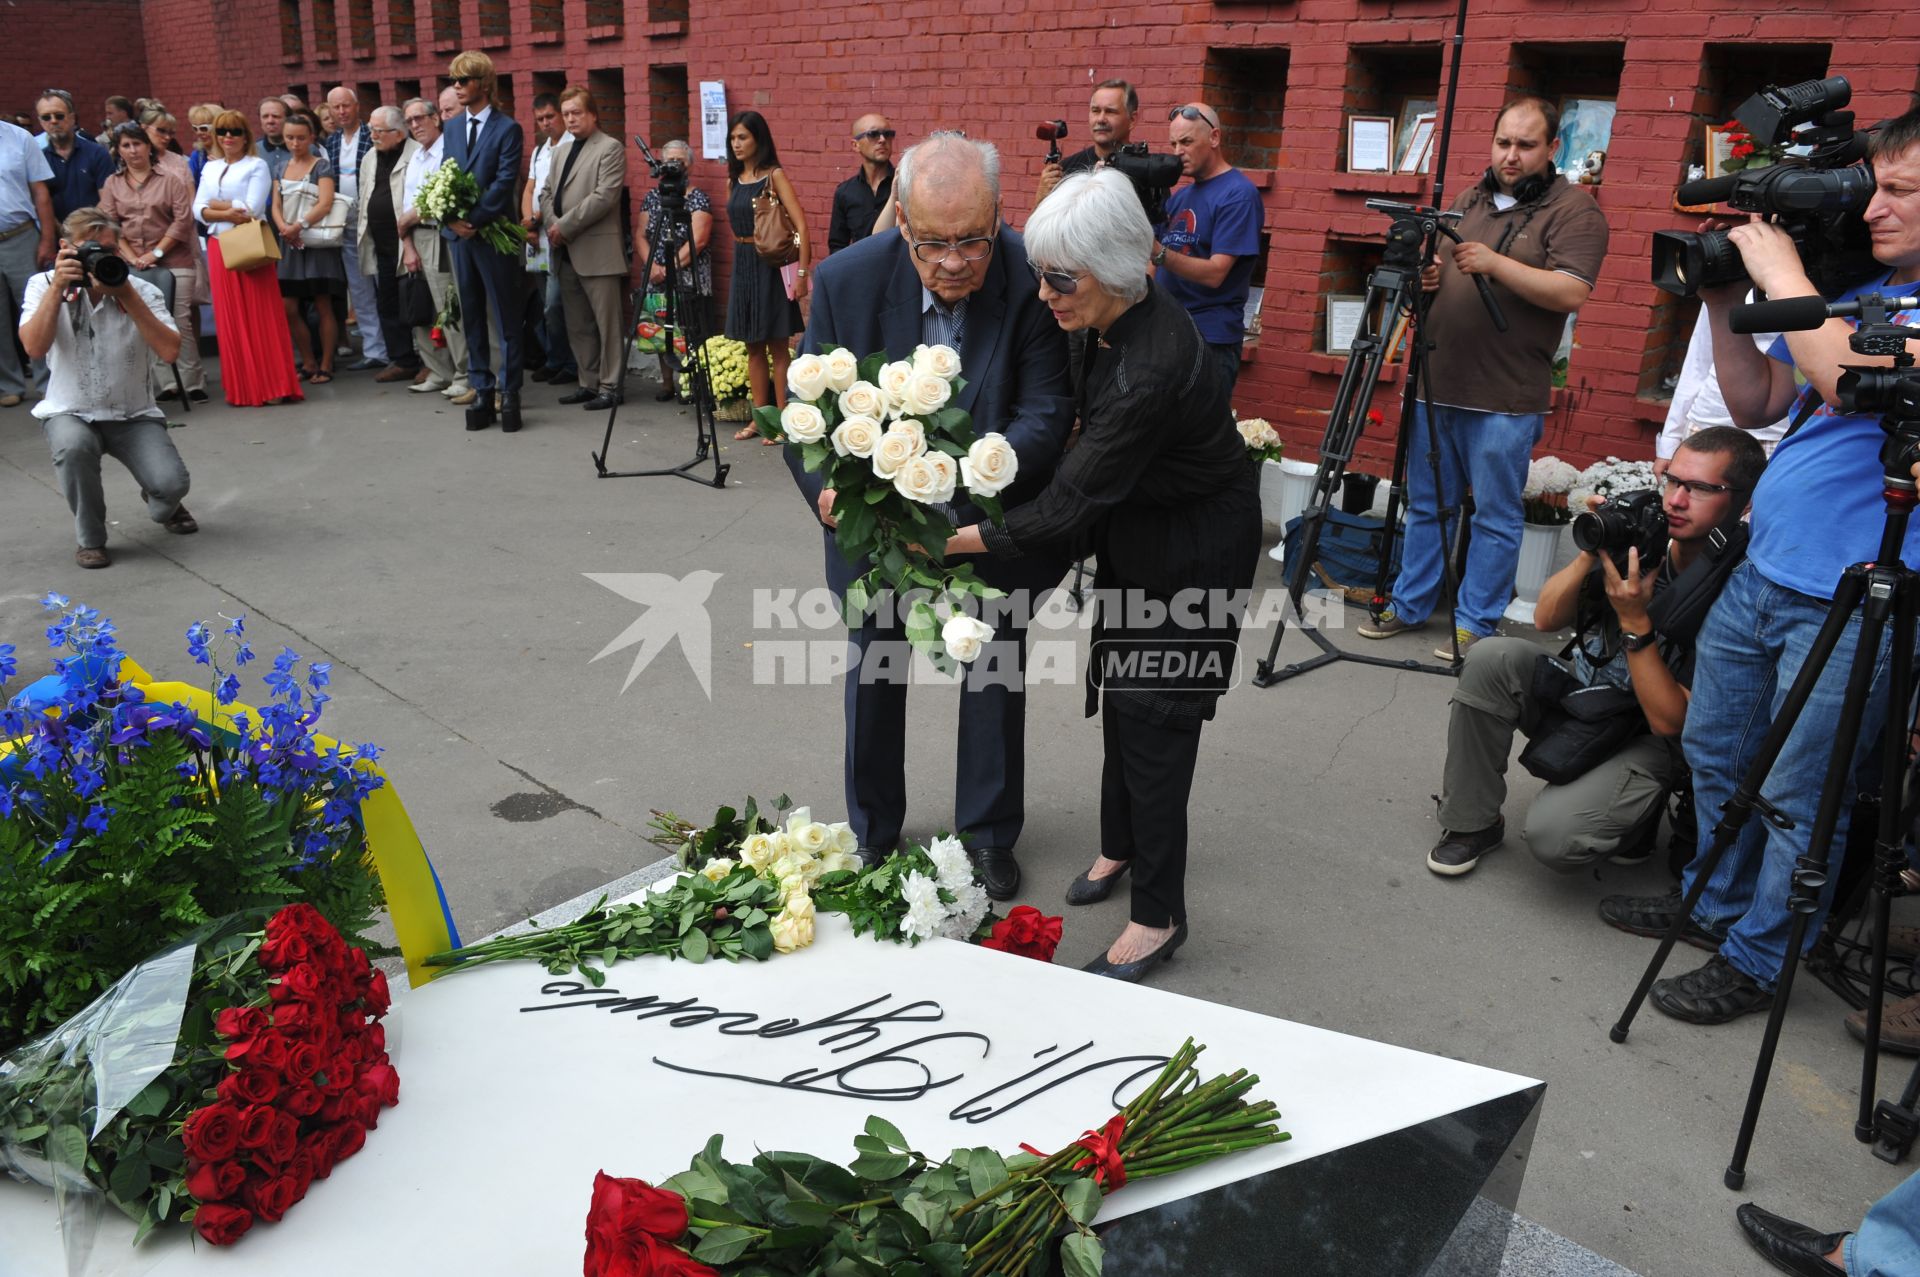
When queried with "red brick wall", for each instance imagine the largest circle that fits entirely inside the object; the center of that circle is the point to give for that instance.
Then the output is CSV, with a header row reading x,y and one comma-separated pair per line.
x,y
995,67
91,48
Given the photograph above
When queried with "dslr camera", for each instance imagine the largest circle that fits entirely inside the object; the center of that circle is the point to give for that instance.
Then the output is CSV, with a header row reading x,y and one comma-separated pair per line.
x,y
1636,521
1153,177
102,265
1818,199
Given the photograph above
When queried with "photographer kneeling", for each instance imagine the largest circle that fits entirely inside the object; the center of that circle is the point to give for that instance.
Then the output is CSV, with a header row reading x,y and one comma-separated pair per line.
x,y
95,325
1611,766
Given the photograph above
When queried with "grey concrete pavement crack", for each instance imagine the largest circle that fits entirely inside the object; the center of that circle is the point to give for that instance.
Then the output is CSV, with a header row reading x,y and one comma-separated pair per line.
x,y
1333,755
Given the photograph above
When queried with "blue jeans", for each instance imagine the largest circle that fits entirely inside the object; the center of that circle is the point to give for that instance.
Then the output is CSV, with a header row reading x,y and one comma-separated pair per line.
x,y
1750,651
1888,1243
554,330
1489,452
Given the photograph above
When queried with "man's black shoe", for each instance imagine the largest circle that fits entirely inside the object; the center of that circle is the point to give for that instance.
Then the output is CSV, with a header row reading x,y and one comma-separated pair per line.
x,y
1651,916
539,374
1790,1247
1714,994
480,415
600,403
1457,853
510,412
998,872
579,394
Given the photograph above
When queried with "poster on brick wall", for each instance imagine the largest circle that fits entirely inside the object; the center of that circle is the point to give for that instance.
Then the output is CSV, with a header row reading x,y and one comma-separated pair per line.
x,y
713,120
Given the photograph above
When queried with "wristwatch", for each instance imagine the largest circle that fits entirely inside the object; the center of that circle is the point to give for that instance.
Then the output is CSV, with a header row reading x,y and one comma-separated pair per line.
x,y
1159,253
1636,642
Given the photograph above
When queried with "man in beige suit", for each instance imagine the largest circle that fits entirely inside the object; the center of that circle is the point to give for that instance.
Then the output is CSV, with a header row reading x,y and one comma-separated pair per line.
x,y
580,215
383,182
424,252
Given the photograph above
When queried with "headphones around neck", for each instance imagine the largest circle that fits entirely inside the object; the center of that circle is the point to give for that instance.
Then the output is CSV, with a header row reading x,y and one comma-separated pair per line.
x,y
1527,189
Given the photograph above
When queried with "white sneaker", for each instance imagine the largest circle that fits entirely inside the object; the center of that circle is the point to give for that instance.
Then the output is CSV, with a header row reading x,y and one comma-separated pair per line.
x,y
456,388
431,383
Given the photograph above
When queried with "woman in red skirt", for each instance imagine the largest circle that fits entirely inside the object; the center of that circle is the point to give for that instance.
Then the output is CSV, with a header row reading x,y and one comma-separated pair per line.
x,y
256,352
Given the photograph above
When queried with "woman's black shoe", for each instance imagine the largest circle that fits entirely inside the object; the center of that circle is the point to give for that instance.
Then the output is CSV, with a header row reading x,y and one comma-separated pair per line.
x,y
1132,971
1091,891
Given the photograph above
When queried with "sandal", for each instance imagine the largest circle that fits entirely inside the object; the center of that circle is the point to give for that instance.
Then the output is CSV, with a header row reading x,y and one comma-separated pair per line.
x,y
180,523
774,442
746,432
321,378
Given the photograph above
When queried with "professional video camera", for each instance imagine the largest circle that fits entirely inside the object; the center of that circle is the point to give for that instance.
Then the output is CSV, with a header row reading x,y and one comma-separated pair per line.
x,y
1818,199
106,267
1636,521
1153,177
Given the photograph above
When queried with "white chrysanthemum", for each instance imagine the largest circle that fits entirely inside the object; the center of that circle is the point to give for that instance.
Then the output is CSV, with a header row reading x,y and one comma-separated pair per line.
x,y
950,861
925,912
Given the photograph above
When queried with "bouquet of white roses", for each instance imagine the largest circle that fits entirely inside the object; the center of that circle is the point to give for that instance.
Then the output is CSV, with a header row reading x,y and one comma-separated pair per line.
x,y
887,438
1610,480
450,193
1262,440
1544,497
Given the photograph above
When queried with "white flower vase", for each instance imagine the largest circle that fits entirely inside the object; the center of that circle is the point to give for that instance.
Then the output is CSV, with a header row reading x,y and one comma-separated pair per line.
x,y
1285,488
1539,547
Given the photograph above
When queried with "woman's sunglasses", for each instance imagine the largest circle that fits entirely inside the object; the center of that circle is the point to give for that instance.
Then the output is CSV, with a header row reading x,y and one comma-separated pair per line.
x,y
1058,280
230,132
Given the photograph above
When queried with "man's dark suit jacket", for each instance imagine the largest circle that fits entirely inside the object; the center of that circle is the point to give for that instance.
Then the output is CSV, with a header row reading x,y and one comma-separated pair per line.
x,y
1014,360
495,165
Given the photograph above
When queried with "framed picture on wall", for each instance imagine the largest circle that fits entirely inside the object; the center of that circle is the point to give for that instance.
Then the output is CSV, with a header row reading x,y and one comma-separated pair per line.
x,y
1370,144
1719,150
1345,313
1417,155
1412,111
1586,131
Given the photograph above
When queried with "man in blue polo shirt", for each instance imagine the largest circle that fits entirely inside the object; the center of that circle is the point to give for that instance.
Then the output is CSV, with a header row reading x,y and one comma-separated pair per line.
x,y
1817,510
27,243
80,166
1206,249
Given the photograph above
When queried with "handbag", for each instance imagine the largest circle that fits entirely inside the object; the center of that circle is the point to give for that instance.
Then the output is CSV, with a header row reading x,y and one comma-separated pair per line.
x,y
330,231
774,236
416,301
1581,726
249,246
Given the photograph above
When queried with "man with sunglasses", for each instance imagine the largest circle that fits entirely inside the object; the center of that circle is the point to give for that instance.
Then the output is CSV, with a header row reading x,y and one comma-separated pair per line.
x,y
1611,810
1206,248
80,165
955,276
858,201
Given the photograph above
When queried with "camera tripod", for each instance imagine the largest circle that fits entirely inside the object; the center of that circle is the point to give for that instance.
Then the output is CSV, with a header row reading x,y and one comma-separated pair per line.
x,y
1393,288
1882,591
686,316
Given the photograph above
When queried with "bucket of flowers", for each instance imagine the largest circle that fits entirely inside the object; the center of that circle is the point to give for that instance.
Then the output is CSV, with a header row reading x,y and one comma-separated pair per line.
x,y
726,364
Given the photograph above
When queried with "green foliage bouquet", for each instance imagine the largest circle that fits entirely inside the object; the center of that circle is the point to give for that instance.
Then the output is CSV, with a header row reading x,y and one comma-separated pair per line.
x,y
126,823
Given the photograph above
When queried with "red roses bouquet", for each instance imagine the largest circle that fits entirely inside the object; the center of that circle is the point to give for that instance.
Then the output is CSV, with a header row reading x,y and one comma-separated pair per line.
x,y
213,1083
1025,932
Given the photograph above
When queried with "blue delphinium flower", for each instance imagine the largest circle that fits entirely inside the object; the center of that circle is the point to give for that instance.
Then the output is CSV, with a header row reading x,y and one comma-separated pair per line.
x,y
86,781
242,653
197,638
227,690
237,627
233,770
7,664
53,601
63,844
319,674
6,802
96,821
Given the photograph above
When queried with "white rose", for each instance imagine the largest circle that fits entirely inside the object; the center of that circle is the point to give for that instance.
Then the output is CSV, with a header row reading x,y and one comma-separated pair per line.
x,y
715,870
893,380
810,839
926,394
990,465
807,377
963,636
928,478
758,851
803,423
941,361
838,861
845,841
902,442
779,841
864,399
793,927
842,370
857,436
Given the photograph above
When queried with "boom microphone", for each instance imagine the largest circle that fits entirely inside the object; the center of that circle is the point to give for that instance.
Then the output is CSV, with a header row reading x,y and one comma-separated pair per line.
x,y
1708,190
1796,314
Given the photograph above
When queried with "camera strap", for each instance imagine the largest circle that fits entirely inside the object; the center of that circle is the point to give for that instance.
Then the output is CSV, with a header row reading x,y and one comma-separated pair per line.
x,y
1679,610
1809,404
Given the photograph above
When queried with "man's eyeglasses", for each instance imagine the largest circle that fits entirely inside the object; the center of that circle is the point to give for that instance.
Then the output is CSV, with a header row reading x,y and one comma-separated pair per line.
x,y
418,119
1059,281
1194,113
1696,487
230,132
53,115
935,251
875,135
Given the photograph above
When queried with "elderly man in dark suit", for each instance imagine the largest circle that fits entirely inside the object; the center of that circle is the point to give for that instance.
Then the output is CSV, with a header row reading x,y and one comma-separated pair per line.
x,y
486,142
951,275
580,216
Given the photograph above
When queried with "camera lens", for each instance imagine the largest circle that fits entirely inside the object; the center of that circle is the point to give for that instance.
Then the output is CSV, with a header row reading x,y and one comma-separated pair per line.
x,y
109,269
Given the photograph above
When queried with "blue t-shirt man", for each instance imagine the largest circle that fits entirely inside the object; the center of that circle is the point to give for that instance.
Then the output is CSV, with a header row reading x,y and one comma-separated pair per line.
x,y
78,176
1817,509
1219,214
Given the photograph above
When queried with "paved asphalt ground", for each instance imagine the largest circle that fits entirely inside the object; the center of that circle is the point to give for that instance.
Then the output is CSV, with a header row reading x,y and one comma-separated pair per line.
x,y
444,575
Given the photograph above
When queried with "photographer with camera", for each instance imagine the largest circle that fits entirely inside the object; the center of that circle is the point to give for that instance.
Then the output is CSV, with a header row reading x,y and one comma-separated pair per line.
x,y
1604,732
1110,113
97,327
1205,249
1817,511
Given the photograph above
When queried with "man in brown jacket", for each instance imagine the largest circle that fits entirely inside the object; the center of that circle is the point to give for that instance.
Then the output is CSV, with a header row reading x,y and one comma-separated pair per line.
x,y
580,216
